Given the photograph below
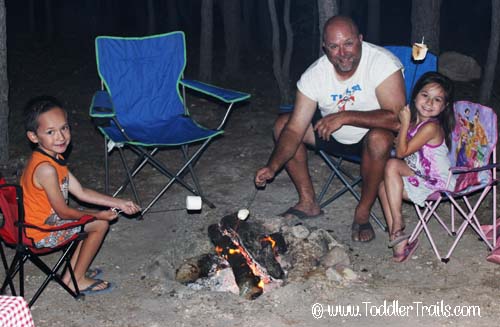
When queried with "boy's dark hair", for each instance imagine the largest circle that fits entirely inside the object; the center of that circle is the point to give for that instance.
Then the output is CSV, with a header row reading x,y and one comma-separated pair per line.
x,y
37,106
447,117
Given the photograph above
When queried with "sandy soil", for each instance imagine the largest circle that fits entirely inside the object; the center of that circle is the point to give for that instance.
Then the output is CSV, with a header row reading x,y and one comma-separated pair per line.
x,y
140,257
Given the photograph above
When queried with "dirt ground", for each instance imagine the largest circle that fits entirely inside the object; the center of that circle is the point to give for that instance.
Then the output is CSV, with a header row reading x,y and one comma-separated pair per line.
x,y
140,257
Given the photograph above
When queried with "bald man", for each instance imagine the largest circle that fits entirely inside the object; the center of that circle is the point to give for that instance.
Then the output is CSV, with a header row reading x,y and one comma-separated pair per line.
x,y
347,103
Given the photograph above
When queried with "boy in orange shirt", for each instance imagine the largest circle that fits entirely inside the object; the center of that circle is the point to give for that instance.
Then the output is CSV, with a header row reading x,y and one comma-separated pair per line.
x,y
46,182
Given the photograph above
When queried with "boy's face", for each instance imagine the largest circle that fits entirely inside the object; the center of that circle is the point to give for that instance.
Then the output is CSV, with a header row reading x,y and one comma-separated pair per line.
x,y
52,135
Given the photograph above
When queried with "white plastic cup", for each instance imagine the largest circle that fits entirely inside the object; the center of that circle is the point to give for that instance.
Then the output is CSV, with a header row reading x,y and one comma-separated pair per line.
x,y
193,202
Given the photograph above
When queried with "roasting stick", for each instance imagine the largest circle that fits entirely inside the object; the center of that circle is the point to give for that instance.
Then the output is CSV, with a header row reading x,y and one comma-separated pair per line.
x,y
244,213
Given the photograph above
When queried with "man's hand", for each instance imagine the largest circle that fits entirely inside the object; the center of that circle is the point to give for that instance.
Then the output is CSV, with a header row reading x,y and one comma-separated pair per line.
x,y
329,124
263,175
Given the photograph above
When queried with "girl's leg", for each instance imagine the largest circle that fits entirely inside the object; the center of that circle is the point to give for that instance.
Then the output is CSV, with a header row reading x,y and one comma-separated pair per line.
x,y
395,192
384,202
85,253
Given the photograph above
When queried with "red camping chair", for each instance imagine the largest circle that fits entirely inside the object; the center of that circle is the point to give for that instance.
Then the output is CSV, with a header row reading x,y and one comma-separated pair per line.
x,y
12,234
473,161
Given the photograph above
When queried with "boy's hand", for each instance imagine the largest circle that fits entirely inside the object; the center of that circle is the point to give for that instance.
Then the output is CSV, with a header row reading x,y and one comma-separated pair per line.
x,y
106,215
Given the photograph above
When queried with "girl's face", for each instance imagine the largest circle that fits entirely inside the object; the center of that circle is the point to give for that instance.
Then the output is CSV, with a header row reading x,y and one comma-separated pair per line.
x,y
430,101
52,135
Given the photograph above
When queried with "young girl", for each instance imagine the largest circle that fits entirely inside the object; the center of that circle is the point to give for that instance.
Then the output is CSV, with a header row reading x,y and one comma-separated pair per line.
x,y
46,182
422,156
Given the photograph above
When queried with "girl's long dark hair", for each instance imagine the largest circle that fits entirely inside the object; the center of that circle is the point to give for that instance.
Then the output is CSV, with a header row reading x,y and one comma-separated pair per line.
x,y
447,117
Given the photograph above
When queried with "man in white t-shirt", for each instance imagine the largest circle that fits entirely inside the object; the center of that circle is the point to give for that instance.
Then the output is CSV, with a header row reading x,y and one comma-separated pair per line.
x,y
347,102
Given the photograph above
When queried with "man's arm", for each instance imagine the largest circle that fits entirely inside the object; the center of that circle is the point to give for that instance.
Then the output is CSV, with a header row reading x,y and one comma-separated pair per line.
x,y
391,96
290,138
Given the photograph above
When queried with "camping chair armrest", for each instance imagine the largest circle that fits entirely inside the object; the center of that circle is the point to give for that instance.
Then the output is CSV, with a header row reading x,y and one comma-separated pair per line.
x,y
460,170
71,224
225,95
102,105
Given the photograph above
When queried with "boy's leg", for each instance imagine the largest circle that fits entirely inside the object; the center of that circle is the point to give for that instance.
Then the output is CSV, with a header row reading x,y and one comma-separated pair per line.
x,y
85,253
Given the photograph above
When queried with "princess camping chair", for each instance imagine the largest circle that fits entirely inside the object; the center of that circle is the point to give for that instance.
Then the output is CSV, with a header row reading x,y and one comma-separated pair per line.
x,y
473,160
412,71
141,107
13,235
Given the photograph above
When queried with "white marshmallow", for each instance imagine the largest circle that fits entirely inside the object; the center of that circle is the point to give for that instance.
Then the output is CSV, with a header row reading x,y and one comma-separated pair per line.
x,y
193,202
243,214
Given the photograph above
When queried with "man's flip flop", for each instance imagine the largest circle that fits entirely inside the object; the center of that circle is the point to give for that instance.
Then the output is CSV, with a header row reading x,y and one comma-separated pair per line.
x,y
357,228
91,289
300,214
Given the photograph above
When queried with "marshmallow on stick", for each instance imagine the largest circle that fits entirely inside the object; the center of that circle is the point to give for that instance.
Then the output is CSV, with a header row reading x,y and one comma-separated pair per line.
x,y
243,214
419,50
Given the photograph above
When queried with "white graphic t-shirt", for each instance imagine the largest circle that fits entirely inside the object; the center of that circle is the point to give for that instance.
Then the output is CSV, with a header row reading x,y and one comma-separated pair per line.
x,y
319,83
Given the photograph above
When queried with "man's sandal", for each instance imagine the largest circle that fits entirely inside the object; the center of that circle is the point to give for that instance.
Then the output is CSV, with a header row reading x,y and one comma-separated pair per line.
x,y
356,229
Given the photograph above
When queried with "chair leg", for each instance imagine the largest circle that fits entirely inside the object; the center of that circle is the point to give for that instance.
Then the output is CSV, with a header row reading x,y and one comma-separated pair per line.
x,y
197,186
6,269
52,273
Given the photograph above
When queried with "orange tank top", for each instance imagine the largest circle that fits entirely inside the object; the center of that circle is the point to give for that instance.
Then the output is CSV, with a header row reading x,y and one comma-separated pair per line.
x,y
37,208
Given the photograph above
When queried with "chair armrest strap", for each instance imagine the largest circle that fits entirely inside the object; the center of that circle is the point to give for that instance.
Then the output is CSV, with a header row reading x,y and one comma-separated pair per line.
x,y
226,95
102,105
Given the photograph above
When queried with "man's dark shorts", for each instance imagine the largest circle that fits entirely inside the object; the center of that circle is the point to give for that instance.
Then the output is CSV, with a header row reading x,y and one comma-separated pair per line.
x,y
332,146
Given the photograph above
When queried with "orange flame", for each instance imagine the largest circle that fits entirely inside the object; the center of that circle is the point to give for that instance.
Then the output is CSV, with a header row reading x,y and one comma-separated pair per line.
x,y
270,240
233,251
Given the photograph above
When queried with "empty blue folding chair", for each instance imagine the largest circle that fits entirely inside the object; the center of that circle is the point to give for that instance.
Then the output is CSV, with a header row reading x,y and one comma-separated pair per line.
x,y
142,106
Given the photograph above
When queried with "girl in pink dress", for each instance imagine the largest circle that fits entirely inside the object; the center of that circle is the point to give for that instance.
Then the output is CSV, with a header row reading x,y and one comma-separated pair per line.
x,y
421,164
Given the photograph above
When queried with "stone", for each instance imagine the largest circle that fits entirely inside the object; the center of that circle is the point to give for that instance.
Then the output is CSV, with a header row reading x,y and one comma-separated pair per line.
x,y
300,232
336,255
459,67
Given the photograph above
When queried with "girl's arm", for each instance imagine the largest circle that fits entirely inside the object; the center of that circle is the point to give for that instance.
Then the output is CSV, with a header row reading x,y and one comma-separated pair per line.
x,y
90,196
45,177
430,133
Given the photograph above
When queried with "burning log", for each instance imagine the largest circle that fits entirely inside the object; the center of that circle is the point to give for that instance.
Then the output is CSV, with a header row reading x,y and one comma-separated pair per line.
x,y
251,255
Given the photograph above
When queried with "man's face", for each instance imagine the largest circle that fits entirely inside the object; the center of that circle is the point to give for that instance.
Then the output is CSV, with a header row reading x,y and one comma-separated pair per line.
x,y
342,46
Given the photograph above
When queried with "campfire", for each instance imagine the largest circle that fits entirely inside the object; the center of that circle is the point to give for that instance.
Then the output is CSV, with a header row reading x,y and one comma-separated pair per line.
x,y
252,256
249,258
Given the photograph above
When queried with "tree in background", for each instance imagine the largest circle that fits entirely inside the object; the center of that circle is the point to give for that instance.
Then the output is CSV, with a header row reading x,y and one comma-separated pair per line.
x,y
281,67
4,87
425,19
326,9
231,11
491,61
373,24
206,40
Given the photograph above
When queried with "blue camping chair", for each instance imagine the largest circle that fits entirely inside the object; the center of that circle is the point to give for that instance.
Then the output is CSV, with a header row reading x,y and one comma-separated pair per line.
x,y
412,71
141,107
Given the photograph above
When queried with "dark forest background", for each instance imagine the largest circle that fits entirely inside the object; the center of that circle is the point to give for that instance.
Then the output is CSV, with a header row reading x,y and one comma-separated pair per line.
x,y
36,27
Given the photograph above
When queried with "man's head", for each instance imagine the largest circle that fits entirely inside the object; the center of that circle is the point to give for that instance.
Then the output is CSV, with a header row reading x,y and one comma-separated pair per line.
x,y
342,44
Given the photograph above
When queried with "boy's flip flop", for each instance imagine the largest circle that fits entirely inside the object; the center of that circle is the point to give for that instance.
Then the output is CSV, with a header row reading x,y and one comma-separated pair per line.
x,y
91,289
94,273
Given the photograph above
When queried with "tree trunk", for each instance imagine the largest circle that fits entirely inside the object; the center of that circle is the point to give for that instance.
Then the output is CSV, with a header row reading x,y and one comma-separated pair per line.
x,y
4,87
373,29
491,61
31,16
326,9
247,14
49,21
206,40
425,19
151,17
173,21
231,10
281,74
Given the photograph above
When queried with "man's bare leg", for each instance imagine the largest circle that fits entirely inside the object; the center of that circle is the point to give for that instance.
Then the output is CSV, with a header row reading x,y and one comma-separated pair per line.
x,y
376,152
298,170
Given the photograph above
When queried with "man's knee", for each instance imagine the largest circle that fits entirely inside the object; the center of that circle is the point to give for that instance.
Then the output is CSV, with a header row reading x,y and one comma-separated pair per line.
x,y
279,124
378,143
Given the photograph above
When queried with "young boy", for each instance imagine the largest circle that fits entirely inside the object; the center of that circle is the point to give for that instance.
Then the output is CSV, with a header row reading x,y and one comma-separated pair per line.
x,y
46,182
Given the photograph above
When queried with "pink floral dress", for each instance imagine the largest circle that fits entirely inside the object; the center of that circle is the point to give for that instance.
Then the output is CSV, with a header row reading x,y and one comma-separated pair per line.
x,y
430,165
